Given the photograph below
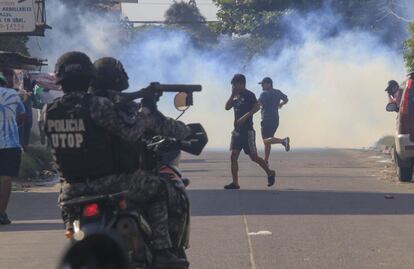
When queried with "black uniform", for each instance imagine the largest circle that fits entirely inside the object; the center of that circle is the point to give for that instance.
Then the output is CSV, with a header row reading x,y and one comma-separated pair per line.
x,y
131,156
80,126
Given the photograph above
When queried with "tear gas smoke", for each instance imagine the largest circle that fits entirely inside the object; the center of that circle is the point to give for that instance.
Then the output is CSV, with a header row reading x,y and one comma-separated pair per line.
x,y
335,83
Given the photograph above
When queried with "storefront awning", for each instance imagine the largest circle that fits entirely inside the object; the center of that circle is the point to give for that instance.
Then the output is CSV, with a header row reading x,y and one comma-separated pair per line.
x,y
13,60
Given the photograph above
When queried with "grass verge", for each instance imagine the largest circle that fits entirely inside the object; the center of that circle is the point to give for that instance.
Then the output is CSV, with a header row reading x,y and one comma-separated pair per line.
x,y
34,160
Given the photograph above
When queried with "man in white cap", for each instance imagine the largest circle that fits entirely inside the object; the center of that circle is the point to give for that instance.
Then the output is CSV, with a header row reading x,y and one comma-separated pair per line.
x,y
271,101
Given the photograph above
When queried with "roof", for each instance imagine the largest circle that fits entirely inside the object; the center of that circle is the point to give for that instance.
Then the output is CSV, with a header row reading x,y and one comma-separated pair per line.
x,y
15,60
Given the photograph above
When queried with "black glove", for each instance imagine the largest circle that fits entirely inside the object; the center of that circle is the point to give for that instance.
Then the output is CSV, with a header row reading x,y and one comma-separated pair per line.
x,y
149,103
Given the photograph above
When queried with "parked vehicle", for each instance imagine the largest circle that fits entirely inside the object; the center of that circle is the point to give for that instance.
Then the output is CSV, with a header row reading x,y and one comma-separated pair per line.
x,y
404,137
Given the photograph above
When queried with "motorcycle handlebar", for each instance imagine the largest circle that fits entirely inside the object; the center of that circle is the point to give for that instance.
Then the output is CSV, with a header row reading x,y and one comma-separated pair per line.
x,y
194,144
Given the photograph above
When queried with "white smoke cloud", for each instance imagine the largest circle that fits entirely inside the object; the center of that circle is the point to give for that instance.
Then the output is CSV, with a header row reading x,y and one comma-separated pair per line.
x,y
75,29
335,83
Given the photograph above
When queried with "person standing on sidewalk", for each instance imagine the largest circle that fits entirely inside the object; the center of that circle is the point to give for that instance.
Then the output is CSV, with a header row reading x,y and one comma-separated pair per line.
x,y
43,97
271,101
245,105
11,107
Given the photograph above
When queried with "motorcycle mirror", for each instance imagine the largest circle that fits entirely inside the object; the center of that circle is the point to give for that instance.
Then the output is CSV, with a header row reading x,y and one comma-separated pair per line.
x,y
195,143
182,101
391,107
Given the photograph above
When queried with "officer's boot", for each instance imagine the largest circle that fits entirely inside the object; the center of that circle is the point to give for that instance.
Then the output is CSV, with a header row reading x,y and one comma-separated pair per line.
x,y
164,259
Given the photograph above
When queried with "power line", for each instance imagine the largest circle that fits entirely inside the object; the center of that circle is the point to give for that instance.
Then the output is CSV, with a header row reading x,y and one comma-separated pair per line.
x,y
177,22
168,4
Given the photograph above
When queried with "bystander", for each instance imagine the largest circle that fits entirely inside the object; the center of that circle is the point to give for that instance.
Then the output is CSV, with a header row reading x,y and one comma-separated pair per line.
x,y
43,97
11,107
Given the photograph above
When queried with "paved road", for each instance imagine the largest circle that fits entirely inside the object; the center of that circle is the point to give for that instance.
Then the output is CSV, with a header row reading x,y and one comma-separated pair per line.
x,y
328,210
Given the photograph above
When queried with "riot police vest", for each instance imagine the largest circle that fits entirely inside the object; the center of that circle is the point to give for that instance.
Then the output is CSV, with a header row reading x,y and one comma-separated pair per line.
x,y
81,148
126,154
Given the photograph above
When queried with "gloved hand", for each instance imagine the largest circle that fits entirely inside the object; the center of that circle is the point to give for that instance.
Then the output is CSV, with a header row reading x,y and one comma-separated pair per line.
x,y
150,96
149,103
150,92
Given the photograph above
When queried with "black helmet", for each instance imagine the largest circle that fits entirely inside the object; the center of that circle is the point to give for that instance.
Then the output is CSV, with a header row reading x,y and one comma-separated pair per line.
x,y
74,65
110,75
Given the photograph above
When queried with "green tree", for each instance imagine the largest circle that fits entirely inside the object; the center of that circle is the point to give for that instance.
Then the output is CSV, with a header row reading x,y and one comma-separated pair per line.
x,y
256,17
409,49
262,17
378,17
188,17
91,4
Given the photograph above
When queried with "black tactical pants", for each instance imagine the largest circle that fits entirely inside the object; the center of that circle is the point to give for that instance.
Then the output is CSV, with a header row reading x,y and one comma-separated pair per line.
x,y
178,214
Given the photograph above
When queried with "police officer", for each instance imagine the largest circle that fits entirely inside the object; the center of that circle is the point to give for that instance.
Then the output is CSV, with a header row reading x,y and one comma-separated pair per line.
x,y
110,80
80,126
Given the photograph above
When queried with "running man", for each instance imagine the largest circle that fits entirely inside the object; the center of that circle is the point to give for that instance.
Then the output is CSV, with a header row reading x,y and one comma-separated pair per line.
x,y
271,101
245,105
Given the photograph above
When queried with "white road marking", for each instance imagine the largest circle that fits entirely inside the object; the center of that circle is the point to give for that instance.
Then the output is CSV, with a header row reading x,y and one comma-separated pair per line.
x,y
261,233
252,261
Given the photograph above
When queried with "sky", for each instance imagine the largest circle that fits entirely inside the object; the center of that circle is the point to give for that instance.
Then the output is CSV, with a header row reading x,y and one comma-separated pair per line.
x,y
155,9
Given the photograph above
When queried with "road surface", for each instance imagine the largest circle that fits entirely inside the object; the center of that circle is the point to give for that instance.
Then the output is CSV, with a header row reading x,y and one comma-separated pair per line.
x,y
329,209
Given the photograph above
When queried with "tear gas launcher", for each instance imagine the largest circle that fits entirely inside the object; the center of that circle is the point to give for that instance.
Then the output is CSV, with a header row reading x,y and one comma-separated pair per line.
x,y
155,90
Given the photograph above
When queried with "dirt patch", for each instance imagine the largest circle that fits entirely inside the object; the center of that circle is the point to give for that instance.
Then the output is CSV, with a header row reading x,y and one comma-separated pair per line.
x,y
47,181
384,167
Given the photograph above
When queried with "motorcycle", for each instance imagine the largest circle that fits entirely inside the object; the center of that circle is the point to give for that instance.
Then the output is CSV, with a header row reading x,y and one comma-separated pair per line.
x,y
108,232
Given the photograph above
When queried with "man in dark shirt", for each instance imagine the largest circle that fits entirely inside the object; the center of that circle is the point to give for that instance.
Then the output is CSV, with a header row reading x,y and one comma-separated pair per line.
x,y
245,105
271,101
